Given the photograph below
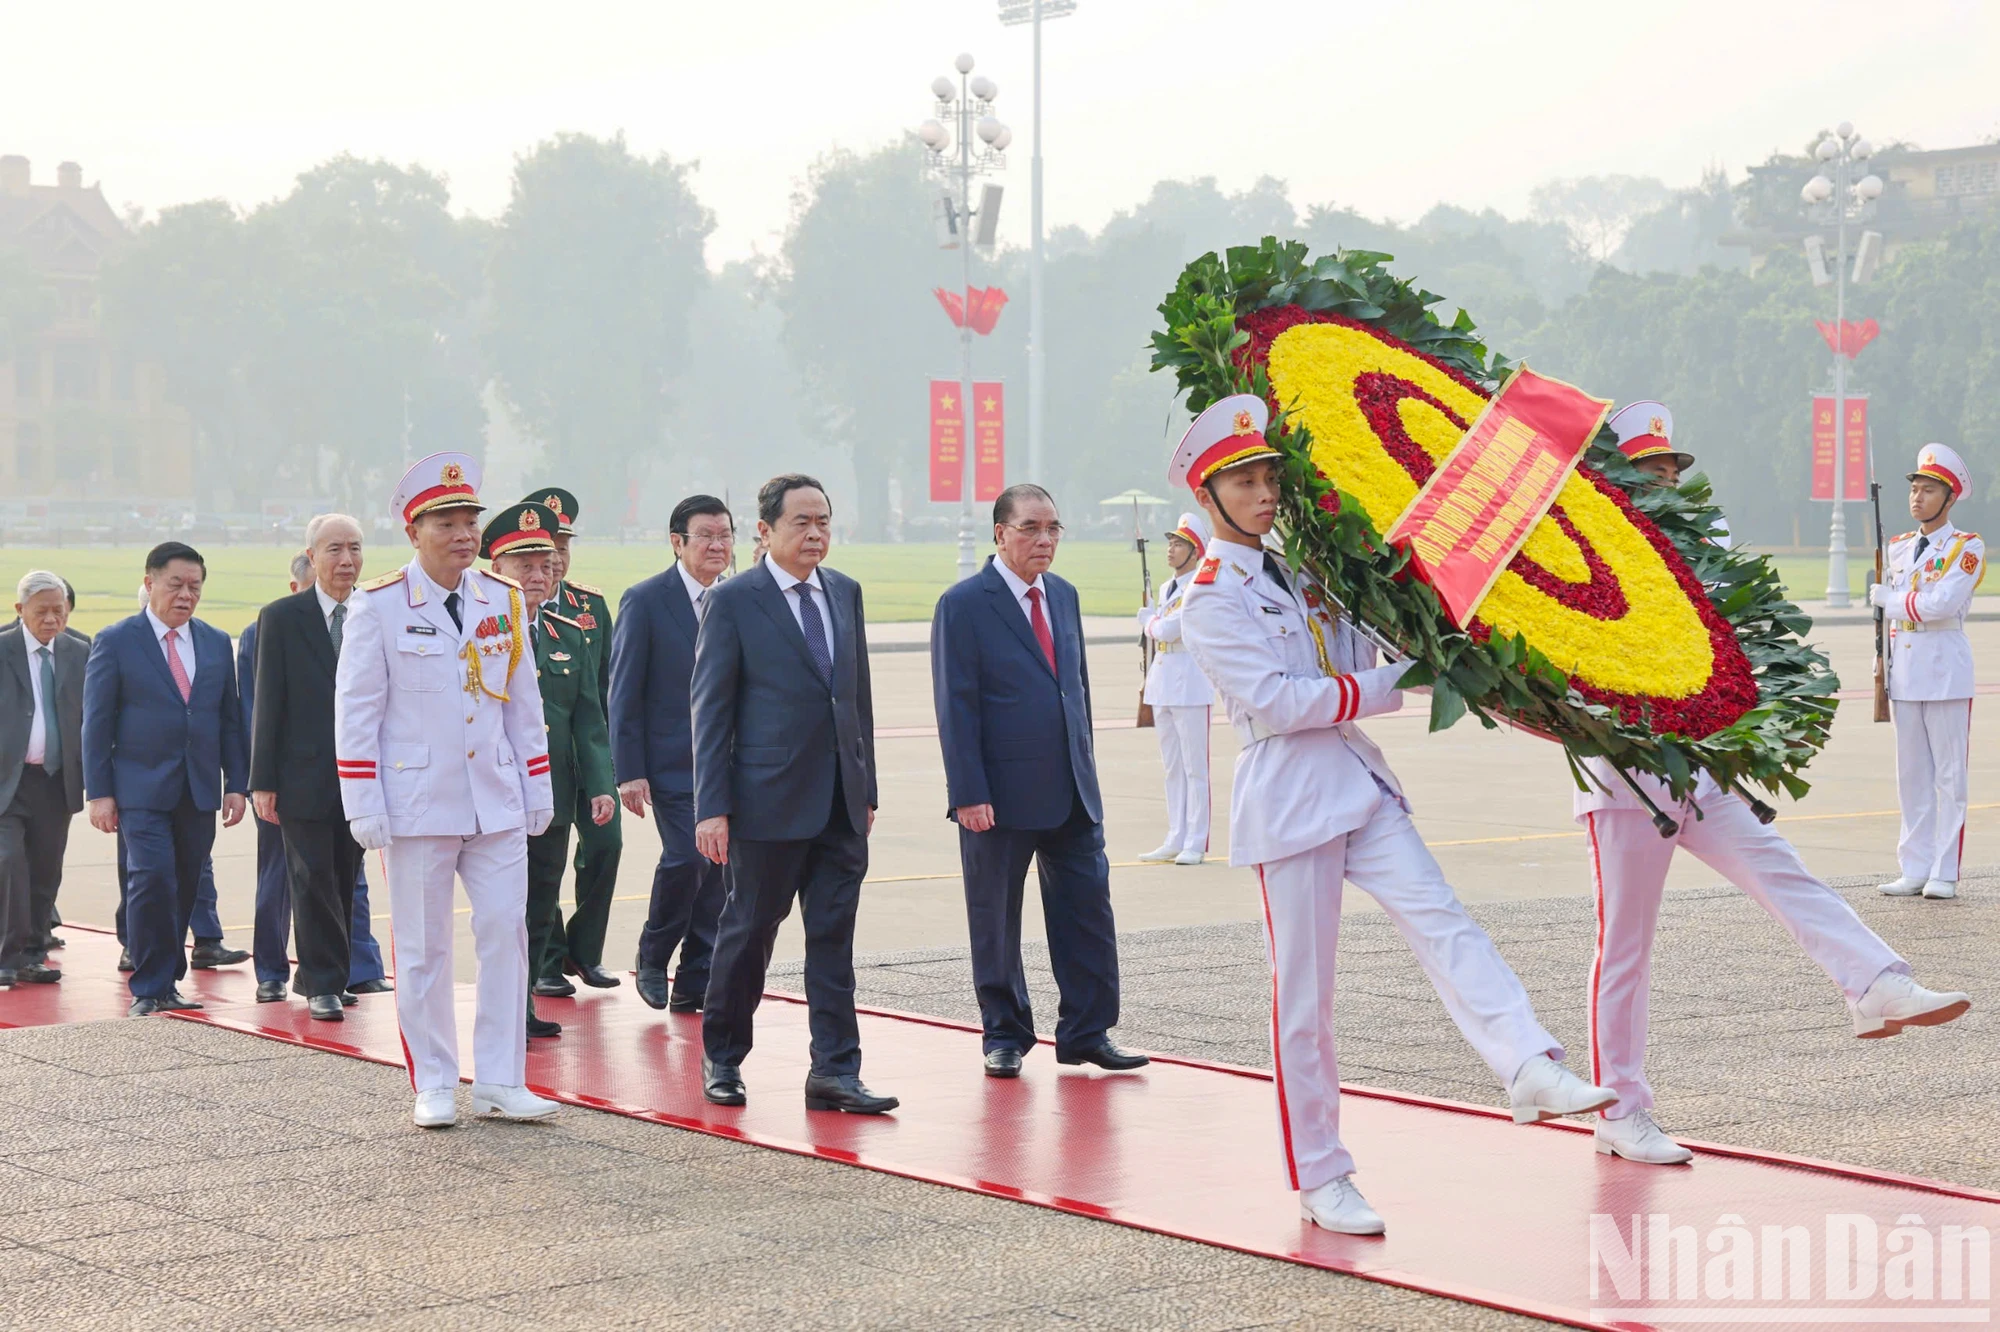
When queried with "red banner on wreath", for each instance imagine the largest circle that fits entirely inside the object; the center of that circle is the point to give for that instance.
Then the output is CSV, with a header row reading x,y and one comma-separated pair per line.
x,y
1488,494
1857,447
989,440
947,441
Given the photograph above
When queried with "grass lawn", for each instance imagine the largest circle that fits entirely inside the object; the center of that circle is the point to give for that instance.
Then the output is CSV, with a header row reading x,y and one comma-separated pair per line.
x,y
902,582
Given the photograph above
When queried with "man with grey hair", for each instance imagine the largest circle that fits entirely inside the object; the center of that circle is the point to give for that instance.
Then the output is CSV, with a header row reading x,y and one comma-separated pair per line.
x,y
41,770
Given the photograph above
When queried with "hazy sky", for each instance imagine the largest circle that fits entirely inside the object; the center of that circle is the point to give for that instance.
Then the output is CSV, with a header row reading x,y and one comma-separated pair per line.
x,y
1388,107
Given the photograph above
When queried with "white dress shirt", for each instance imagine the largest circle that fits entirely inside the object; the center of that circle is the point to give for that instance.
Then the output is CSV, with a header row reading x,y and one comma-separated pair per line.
x,y
698,595
326,605
1020,591
818,593
38,726
183,642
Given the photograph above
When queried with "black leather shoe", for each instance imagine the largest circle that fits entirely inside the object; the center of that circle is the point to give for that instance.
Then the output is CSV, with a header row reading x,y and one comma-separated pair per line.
x,y
349,998
1105,1055
270,992
210,954
686,1003
6,978
554,987
651,983
146,1007
597,978
722,1084
53,942
181,1002
377,986
125,960
1003,1063
326,1008
543,1027
845,1093
36,973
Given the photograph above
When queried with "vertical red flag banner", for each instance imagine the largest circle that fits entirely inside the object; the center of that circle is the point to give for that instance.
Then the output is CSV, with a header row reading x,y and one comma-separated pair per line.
x,y
947,441
1489,492
1857,447
989,440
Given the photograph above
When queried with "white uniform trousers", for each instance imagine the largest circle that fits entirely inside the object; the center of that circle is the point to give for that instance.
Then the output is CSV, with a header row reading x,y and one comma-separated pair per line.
x,y
1933,746
1184,751
495,869
1386,859
1628,865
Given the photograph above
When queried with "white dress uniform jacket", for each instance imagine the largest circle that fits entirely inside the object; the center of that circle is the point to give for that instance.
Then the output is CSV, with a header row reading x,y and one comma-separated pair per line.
x,y
1925,598
418,740
1254,643
1173,680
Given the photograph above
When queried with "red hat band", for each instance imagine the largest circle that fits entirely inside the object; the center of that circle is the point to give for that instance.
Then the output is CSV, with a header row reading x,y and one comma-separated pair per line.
x,y
1938,471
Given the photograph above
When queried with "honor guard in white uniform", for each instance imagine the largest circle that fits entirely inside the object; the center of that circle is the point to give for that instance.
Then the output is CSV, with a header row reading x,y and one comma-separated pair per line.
x,y
444,766
1929,576
1628,868
1180,697
1315,803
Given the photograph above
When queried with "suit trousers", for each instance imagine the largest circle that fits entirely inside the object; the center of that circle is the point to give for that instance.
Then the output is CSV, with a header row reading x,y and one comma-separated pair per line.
x,y
1628,868
271,935
322,860
34,832
206,921
1933,751
1184,754
421,870
825,874
598,850
166,853
546,857
1386,859
688,890
1076,908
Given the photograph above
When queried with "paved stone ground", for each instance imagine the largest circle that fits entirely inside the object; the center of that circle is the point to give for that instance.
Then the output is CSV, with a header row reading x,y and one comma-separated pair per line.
x,y
162,1174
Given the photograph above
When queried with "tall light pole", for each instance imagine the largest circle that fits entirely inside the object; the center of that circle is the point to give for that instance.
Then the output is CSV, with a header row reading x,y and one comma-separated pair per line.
x,y
1012,13
1840,201
968,105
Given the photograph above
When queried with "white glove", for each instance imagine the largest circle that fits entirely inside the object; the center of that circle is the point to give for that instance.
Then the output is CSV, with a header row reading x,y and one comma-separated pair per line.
x,y
1883,595
372,831
539,821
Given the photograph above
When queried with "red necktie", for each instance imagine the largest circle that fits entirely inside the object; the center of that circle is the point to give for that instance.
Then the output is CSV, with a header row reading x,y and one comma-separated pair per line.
x,y
1041,623
179,672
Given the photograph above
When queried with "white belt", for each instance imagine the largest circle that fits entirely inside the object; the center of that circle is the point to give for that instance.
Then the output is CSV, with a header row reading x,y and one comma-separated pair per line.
x,y
1955,624
1168,647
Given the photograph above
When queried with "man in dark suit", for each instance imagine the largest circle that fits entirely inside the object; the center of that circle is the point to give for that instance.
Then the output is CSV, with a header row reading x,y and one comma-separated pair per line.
x,y
1013,710
293,780
41,771
271,936
652,665
163,749
784,790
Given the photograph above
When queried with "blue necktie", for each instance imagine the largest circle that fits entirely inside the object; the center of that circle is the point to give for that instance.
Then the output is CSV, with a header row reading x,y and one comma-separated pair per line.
x,y
815,632
51,729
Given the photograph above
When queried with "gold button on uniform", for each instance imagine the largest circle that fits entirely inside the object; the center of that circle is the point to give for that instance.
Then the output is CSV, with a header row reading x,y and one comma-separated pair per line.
x,y
470,753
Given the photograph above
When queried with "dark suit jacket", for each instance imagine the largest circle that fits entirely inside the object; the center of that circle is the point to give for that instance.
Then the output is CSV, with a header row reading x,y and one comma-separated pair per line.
x,y
652,668
768,739
1015,734
141,743
17,711
290,699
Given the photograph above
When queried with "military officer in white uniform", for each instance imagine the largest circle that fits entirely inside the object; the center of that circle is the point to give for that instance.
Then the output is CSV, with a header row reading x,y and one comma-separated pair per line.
x,y
1180,697
431,670
1929,576
1315,803
1628,865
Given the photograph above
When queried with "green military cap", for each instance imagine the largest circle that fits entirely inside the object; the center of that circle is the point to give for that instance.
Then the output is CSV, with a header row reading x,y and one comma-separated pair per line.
x,y
561,502
517,528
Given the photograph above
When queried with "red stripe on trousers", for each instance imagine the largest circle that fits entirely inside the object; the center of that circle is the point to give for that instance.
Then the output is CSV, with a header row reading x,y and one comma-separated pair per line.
x,y
1277,1041
1597,958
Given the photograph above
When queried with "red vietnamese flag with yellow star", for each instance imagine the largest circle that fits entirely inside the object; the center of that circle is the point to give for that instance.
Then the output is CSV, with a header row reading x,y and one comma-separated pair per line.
x,y
947,441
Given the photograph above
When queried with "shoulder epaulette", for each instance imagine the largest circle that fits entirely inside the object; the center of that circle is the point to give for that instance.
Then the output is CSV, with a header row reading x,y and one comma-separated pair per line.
x,y
1206,574
386,580
584,588
1972,536
1902,536
564,618
500,578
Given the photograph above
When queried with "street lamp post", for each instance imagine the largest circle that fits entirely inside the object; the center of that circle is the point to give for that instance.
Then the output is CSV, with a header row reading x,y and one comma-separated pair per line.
x,y
1840,201
968,106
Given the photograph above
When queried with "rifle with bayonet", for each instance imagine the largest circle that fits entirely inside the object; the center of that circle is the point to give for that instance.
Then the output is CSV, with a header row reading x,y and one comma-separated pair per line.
x,y
1881,617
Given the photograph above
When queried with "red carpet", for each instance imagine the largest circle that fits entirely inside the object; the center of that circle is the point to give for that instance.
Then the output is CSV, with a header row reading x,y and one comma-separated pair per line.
x,y
1478,1209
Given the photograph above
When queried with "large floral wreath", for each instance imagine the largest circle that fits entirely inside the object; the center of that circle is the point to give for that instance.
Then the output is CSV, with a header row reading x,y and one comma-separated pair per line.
x,y
1619,629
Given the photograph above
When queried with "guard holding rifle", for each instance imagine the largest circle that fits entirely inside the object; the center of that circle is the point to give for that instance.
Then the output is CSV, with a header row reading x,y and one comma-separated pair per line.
x,y
1926,589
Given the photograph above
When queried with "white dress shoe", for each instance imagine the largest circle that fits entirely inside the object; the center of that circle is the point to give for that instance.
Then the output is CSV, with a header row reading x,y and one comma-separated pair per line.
x,y
1190,858
1338,1206
510,1102
1637,1138
1544,1089
436,1108
1904,886
1895,1001
1938,889
1161,854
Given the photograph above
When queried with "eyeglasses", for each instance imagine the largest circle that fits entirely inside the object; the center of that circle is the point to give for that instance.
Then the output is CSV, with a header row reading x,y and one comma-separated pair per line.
x,y
707,538
1036,531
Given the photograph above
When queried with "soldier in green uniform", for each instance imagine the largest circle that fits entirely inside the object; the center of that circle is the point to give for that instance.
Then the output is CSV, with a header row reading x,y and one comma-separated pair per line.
x,y
521,544
578,949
